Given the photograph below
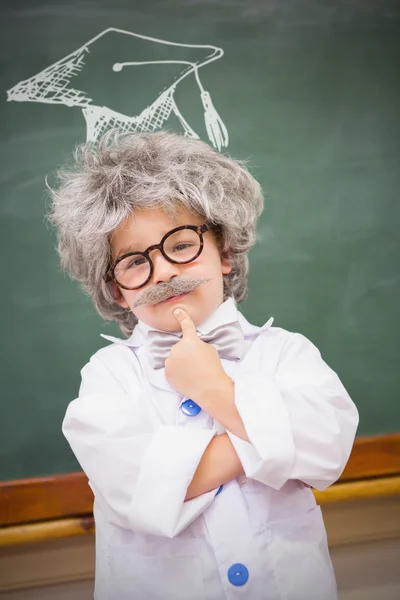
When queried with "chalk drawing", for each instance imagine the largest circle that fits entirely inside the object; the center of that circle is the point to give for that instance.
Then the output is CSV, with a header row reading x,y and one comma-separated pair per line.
x,y
54,85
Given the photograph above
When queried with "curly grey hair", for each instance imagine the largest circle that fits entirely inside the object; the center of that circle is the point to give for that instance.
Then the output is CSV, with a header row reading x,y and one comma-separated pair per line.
x,y
130,171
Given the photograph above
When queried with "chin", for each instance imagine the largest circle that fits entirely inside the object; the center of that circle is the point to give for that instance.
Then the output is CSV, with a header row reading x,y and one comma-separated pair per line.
x,y
163,315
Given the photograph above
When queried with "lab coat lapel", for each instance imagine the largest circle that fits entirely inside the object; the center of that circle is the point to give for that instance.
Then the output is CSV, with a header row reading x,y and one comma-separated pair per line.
x,y
155,376
136,345
251,360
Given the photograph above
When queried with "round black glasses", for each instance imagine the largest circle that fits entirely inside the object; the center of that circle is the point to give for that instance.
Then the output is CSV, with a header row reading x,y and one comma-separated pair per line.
x,y
181,245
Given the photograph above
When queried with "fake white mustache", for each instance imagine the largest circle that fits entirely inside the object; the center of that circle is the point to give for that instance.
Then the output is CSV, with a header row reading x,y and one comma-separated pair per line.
x,y
162,291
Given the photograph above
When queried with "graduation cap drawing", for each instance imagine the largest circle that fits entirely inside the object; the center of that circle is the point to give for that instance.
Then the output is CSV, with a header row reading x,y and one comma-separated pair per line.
x,y
140,72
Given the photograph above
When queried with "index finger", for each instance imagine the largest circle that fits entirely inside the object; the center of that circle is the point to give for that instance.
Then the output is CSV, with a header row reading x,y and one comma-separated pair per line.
x,y
186,323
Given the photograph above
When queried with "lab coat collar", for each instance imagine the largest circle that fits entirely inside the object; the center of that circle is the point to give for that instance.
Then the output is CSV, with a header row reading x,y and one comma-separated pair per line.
x,y
226,313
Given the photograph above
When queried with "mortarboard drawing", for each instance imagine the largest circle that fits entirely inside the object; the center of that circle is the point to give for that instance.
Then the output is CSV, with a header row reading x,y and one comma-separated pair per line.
x,y
149,88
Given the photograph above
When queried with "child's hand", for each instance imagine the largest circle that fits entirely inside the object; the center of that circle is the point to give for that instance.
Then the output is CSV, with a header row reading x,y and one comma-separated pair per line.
x,y
193,367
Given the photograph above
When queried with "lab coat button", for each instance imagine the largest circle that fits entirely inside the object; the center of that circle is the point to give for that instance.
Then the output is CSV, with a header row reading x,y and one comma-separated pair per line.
x,y
238,574
190,408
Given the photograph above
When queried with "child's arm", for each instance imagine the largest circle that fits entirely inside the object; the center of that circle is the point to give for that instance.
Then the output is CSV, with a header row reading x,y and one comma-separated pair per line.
x,y
141,473
288,418
301,424
218,465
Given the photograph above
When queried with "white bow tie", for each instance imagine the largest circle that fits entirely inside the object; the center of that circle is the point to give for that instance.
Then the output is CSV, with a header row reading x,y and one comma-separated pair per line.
x,y
228,340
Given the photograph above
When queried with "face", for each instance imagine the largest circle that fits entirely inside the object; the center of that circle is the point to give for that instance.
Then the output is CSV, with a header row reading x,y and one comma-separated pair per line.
x,y
147,227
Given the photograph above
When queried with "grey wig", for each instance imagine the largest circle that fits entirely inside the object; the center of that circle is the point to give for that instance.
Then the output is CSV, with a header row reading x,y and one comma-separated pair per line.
x,y
130,171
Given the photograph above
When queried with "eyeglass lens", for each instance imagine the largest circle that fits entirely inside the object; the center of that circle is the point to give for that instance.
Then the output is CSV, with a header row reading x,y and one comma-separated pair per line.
x,y
181,247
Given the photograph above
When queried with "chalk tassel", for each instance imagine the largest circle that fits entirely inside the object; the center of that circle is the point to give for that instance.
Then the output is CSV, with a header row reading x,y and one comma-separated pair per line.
x,y
216,130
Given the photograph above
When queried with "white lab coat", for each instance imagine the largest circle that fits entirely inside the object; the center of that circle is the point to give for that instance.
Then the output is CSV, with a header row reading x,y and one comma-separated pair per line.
x,y
140,452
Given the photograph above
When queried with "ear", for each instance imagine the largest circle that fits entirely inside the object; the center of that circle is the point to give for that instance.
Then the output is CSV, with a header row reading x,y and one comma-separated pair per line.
x,y
226,265
118,296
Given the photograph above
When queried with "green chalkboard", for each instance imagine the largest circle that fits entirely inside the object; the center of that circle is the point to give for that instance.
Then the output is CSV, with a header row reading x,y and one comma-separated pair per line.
x,y
309,93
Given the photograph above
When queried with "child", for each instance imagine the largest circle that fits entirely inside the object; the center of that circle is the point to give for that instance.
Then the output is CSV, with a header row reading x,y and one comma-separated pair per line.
x,y
200,433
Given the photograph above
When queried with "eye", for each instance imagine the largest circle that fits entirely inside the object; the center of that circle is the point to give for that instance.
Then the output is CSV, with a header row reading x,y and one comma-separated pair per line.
x,y
182,246
135,261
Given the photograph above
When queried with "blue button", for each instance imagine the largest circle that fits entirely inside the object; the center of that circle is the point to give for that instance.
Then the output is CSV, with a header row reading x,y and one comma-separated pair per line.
x,y
238,574
219,490
190,408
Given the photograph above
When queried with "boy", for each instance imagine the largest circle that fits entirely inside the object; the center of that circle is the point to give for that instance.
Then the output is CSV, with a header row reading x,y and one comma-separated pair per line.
x,y
200,433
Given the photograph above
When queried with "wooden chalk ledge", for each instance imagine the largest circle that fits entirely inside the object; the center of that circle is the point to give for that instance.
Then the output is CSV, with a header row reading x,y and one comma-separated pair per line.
x,y
62,528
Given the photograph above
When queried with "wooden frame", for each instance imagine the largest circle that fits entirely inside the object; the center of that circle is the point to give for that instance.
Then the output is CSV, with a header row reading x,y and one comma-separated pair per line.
x,y
68,498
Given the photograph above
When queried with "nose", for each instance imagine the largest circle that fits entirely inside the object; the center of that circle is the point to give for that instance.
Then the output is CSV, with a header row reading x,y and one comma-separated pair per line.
x,y
163,269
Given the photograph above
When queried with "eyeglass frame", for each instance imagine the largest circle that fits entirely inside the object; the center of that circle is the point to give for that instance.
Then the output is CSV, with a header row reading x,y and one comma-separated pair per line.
x,y
199,229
